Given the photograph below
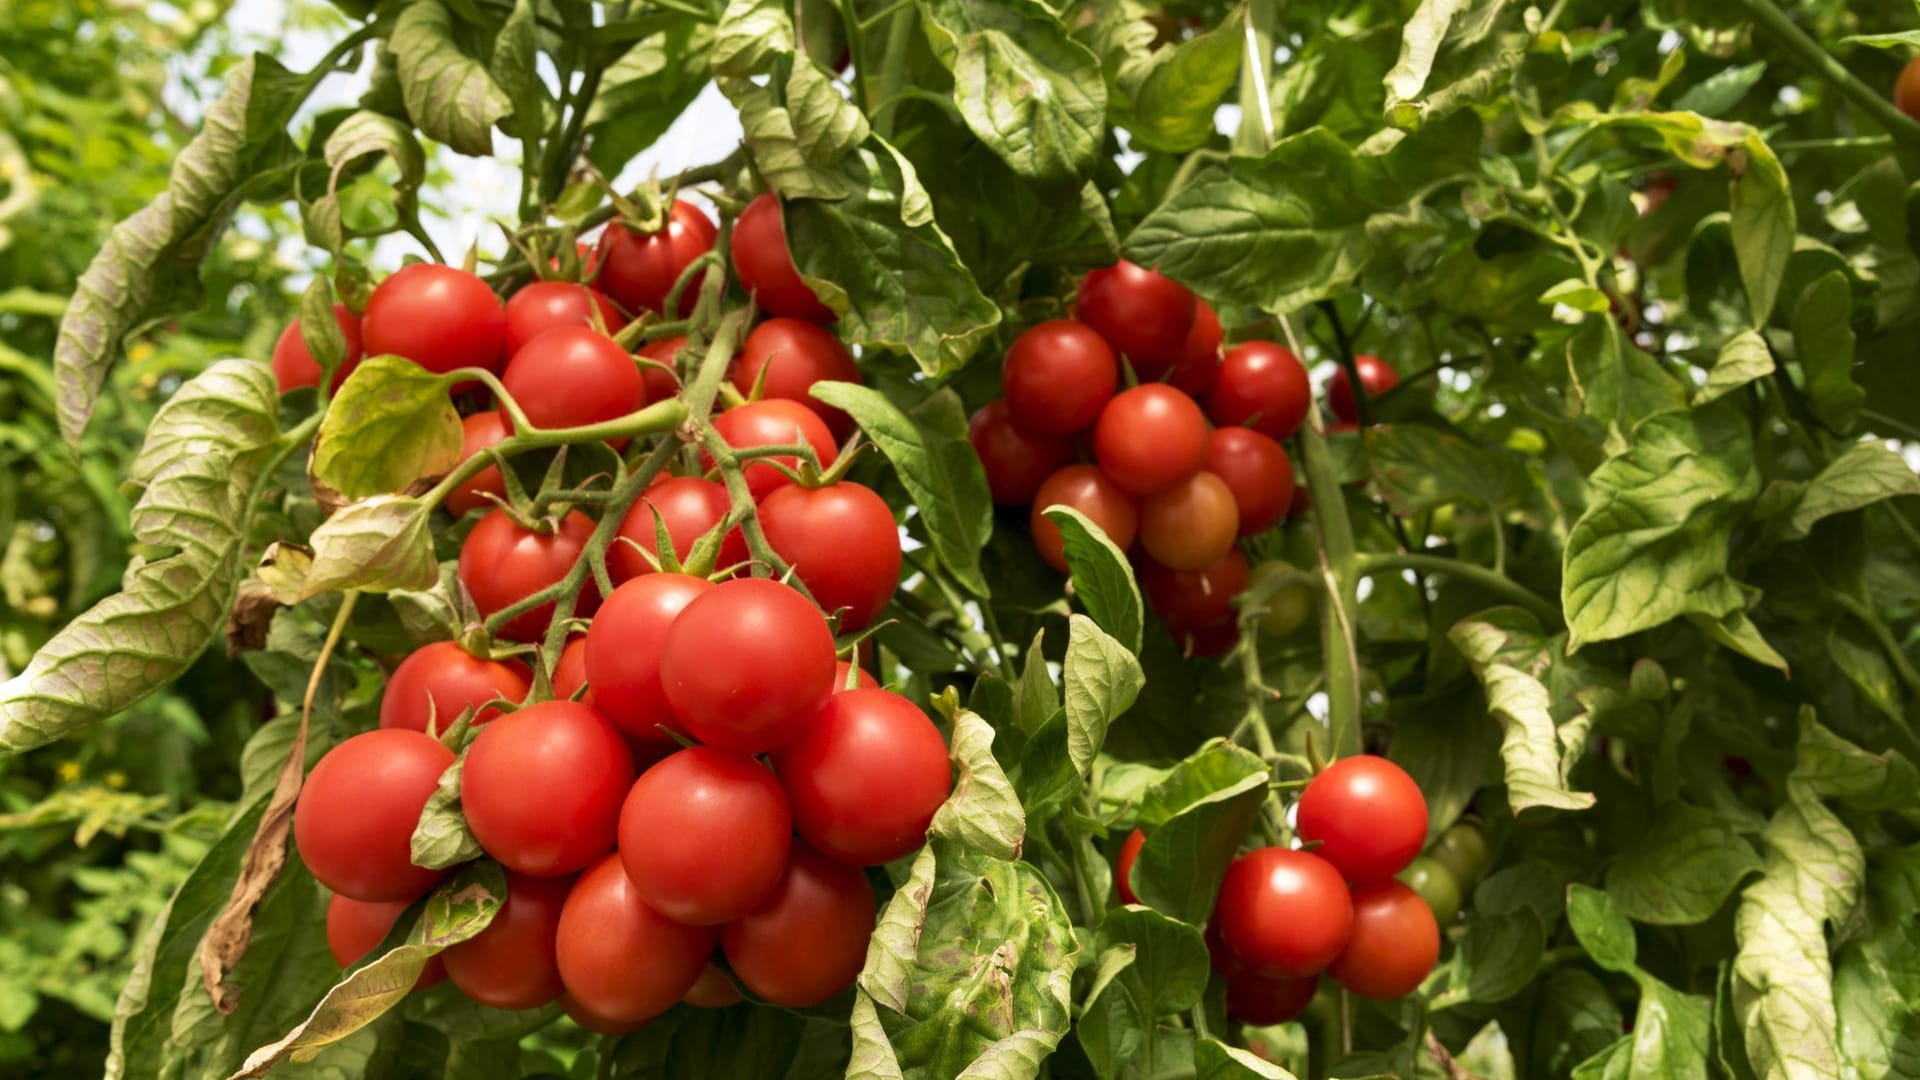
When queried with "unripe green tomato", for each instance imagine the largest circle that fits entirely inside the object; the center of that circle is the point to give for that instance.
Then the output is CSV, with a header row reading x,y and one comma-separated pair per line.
x,y
1436,885
1288,607
1463,850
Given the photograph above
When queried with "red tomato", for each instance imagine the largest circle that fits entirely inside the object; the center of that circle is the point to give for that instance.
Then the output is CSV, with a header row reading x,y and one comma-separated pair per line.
x,y
1015,462
842,670
1395,942
1150,438
1368,816
1906,91
355,818
866,776
773,422
1284,912
1302,502
593,1021
841,541
294,366
619,958
745,663
639,269
357,927
1057,377
1258,472
690,507
1189,600
713,990
1200,358
1206,641
477,433
550,305
808,941
572,376
623,652
440,317
441,680
662,382
502,563
1376,378
794,354
1261,386
1263,1000
1086,489
693,804
1191,525
542,787
512,963
1123,866
570,674
764,265
1142,314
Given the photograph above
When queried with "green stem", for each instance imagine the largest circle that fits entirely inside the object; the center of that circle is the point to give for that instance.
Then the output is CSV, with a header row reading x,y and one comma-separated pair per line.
x,y
1378,562
1256,73
893,64
1858,142
656,418
1787,34
563,151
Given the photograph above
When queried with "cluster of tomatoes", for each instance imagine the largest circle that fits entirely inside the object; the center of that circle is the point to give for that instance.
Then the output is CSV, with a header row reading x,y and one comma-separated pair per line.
x,y
1285,915
1185,461
708,775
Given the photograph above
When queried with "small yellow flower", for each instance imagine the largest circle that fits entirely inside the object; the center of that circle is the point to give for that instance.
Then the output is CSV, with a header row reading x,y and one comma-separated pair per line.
x,y
116,780
69,771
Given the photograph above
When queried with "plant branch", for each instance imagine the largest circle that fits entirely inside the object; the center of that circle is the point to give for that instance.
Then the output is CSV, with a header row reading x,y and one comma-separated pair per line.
x,y
1376,562
1787,34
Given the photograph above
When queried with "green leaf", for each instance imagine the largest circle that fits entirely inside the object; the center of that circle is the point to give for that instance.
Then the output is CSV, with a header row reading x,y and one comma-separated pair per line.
x,y
1681,869
1501,951
442,838
1027,90
983,813
1721,91
455,912
319,330
1578,295
1617,383
515,68
1167,974
1903,39
203,463
1419,46
1652,544
1165,97
1214,1060
1510,656
149,265
1875,990
1743,359
645,90
392,429
1102,680
1823,343
1102,577
375,545
1863,474
1195,819
878,259
1421,468
941,473
1670,1037
449,95
1602,928
750,36
367,133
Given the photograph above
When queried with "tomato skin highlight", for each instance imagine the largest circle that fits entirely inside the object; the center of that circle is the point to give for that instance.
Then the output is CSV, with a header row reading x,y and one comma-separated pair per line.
x,y
808,941
1150,438
865,777
1368,816
639,269
1199,366
773,422
682,812
764,264
542,787
794,354
1086,489
356,927
1016,463
842,543
1123,866
623,651
1284,912
477,433
619,958
441,680
549,305
1395,942
1057,377
690,507
502,563
512,964
1262,386
1195,599
440,317
572,376
1376,378
294,366
1258,472
1143,314
745,663
356,815
1191,525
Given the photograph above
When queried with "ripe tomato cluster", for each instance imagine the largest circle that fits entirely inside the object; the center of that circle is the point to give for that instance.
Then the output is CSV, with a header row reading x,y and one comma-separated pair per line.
x,y
705,782
1182,464
1283,916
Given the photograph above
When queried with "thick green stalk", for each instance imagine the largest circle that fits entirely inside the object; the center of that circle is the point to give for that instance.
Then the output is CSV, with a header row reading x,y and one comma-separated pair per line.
x,y
1787,34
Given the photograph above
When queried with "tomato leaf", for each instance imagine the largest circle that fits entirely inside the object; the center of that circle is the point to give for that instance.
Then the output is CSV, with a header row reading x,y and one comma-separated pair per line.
x,y
1545,732
375,545
1160,967
1215,1060
1863,474
392,429
646,89
1102,578
1602,928
442,838
1742,359
1823,340
983,813
1419,468
1165,97
449,94
1195,819
1681,869
1102,680
750,36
